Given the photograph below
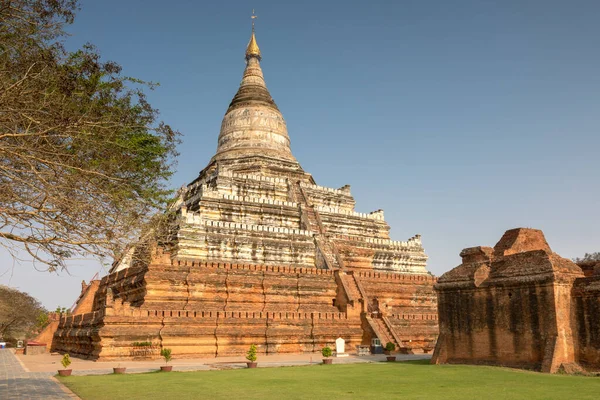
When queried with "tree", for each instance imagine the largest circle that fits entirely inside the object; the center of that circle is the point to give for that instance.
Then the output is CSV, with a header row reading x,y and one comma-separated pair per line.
x,y
19,313
62,310
84,161
42,321
588,257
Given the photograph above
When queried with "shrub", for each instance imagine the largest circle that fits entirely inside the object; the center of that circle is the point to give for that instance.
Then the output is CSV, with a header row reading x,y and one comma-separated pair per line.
x,y
326,351
390,346
66,360
251,354
142,344
166,354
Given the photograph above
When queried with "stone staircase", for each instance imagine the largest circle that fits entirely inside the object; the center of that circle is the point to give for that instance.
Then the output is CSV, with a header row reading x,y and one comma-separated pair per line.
x,y
377,321
396,339
379,329
347,284
384,331
311,221
355,293
364,299
352,287
327,249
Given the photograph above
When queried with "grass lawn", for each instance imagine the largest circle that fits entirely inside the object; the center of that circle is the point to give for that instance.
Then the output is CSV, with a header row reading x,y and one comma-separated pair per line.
x,y
401,380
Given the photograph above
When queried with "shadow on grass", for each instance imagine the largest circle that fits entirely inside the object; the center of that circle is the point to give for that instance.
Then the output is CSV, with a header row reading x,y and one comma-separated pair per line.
x,y
416,362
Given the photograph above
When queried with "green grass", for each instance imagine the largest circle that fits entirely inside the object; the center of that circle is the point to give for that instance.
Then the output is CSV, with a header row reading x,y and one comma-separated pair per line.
x,y
402,380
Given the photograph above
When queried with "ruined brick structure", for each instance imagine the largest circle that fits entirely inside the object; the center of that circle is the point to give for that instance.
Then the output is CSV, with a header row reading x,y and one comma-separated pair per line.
x,y
84,304
519,305
261,254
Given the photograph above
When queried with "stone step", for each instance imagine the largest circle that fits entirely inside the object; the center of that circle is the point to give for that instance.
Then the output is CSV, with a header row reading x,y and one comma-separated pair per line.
x,y
387,335
380,332
352,288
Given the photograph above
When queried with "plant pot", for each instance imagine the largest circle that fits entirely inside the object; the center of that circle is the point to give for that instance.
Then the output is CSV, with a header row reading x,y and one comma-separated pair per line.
x,y
251,364
387,352
391,358
166,368
328,361
64,372
119,370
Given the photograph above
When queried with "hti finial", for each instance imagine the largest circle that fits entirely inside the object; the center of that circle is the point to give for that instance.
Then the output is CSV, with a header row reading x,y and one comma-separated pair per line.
x,y
252,50
253,16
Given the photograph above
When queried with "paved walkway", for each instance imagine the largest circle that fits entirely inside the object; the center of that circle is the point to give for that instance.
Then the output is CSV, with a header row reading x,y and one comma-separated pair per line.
x,y
49,363
17,383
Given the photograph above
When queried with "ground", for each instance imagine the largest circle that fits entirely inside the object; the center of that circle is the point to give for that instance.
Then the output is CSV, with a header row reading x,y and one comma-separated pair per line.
x,y
18,382
406,380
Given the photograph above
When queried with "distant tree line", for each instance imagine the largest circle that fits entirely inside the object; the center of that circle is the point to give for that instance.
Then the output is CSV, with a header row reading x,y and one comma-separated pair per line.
x,y
588,257
21,315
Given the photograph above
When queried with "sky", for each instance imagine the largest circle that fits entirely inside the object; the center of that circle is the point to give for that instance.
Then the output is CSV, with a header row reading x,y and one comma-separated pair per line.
x,y
460,119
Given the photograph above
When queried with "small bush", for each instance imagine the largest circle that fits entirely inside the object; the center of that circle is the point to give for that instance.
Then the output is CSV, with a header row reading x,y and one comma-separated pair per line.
x,y
142,344
390,346
66,360
166,354
251,354
326,351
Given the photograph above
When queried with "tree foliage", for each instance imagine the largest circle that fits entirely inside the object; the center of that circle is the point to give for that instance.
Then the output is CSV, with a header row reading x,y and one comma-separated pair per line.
x,y
62,310
42,321
19,313
588,257
84,160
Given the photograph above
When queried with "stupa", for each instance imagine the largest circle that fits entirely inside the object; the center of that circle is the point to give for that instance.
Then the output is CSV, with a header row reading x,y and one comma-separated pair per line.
x,y
261,255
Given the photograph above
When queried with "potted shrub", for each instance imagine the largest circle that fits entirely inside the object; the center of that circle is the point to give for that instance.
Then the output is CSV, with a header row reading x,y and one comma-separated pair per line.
x,y
66,361
166,354
389,347
119,370
327,352
251,357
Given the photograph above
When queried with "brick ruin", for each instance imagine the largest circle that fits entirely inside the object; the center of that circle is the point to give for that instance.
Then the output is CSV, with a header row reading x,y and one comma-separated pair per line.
x,y
520,305
261,255
83,304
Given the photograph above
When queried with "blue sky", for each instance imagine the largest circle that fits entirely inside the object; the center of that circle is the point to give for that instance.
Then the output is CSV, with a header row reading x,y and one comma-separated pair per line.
x,y
460,119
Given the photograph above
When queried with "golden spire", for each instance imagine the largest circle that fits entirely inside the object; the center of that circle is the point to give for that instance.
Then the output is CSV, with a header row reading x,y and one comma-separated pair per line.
x,y
252,50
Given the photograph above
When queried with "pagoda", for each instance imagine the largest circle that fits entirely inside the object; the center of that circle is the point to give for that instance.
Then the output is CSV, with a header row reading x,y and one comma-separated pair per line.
x,y
260,254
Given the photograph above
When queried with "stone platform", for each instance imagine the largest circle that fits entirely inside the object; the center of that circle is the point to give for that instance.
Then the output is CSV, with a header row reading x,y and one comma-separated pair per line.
x,y
221,309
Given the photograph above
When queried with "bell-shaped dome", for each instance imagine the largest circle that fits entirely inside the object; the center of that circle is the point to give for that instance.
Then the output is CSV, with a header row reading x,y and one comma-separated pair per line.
x,y
253,125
